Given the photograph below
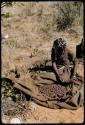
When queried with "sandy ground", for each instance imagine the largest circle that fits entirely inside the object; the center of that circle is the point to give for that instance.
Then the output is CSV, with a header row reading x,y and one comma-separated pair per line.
x,y
22,48
41,114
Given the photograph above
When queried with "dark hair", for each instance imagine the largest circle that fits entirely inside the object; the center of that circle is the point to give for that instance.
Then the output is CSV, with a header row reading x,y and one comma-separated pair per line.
x,y
80,49
58,46
59,43
82,42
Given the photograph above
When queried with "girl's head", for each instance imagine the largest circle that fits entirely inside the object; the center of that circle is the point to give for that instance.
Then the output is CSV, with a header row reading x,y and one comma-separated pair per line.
x,y
59,43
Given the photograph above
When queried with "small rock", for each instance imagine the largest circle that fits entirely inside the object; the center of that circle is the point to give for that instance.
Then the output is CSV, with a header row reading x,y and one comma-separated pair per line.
x,y
6,36
15,120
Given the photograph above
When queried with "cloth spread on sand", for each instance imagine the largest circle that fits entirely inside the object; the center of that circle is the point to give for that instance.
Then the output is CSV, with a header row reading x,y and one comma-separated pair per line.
x,y
52,94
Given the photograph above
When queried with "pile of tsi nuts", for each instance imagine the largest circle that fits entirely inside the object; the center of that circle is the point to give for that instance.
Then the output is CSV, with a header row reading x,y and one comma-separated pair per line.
x,y
52,90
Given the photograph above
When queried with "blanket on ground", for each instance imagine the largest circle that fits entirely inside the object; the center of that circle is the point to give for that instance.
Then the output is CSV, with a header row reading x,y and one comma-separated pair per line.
x,y
44,90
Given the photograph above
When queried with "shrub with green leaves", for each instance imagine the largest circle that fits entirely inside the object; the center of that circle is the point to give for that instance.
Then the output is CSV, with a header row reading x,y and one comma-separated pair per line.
x,y
6,89
6,15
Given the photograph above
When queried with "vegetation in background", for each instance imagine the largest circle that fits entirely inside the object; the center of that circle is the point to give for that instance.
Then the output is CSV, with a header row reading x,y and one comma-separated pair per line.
x,y
7,4
67,14
60,15
6,15
63,15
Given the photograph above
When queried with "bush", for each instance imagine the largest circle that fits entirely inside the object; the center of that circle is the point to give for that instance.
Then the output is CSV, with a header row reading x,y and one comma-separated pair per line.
x,y
68,12
7,4
5,15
